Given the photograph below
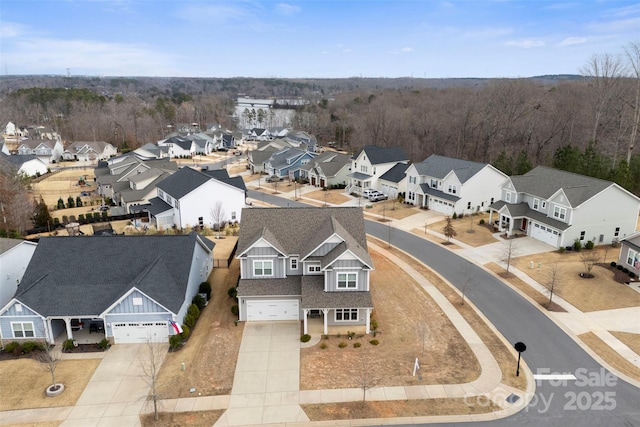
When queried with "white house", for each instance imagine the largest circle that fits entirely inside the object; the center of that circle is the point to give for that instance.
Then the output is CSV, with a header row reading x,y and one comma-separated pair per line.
x,y
25,164
369,164
327,169
89,151
47,150
15,255
630,253
558,208
190,198
449,185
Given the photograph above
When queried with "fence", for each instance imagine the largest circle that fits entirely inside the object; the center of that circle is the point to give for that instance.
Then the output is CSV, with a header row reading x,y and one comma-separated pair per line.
x,y
225,263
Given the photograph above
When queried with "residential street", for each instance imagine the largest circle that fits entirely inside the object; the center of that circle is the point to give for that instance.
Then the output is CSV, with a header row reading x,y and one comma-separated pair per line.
x,y
575,402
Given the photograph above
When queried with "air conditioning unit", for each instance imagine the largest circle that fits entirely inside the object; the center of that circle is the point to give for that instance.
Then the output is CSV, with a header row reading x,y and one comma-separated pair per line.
x,y
204,297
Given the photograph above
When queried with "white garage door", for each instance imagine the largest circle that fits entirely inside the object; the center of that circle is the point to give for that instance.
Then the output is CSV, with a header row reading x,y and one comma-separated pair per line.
x,y
545,234
441,206
273,310
140,332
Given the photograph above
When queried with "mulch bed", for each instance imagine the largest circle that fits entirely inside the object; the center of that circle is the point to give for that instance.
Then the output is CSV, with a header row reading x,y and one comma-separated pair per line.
x,y
81,348
618,275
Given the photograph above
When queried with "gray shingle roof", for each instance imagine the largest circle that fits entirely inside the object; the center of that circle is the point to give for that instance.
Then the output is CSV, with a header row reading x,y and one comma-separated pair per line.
x,y
183,182
314,296
289,286
440,166
396,173
378,155
426,189
544,182
6,244
521,210
70,276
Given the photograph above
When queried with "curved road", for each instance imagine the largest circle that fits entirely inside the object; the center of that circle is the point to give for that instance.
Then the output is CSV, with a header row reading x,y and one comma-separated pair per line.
x,y
595,398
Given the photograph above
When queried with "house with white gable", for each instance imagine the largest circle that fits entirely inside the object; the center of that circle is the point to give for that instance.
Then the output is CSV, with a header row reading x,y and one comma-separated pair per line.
x,y
559,208
369,164
308,264
327,170
449,185
15,255
189,198
46,150
86,151
24,164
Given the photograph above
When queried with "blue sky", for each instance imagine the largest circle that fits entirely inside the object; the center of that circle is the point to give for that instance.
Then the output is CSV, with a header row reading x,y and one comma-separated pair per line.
x,y
346,38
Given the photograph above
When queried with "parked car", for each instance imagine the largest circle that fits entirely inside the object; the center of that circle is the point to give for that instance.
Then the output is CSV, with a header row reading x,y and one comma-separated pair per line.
x,y
222,149
237,153
273,178
377,196
368,192
103,208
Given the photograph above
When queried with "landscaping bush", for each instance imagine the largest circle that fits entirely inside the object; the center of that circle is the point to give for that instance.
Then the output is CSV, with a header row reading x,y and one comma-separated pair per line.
x,y
619,267
31,346
356,345
374,342
190,321
194,311
233,292
60,203
104,215
481,222
13,347
577,245
205,288
65,219
235,310
96,215
81,217
305,338
56,221
324,346
342,344
199,301
186,332
175,341
67,345
632,274
589,244
613,264
625,270
71,203
104,344
78,202
72,218
454,216
561,250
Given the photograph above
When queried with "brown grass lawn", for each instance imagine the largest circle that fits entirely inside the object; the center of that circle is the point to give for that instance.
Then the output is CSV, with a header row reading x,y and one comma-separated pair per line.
x,y
334,197
212,351
503,352
389,209
393,408
435,239
23,382
541,299
631,340
177,419
64,184
468,229
610,355
42,424
401,307
599,293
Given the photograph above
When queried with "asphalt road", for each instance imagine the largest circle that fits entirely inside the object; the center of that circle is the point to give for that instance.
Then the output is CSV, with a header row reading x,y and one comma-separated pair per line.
x,y
595,398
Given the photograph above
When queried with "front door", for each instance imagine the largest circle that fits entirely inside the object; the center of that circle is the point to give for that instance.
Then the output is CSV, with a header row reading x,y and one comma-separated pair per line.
x,y
524,224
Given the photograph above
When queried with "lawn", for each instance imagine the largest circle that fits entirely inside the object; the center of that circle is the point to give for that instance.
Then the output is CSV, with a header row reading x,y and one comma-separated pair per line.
x,y
391,209
402,308
630,340
468,230
211,353
599,293
610,355
23,382
333,197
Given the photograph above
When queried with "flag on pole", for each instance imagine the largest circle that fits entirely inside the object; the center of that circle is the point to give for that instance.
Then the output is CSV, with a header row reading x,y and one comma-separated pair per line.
x,y
176,327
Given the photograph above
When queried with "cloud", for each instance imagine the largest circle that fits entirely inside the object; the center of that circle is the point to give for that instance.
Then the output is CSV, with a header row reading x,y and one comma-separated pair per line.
x,y
624,11
561,6
286,9
525,44
11,29
218,13
401,51
572,40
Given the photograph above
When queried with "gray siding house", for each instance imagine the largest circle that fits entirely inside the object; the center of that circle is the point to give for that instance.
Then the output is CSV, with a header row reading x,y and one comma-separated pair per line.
x,y
298,263
128,288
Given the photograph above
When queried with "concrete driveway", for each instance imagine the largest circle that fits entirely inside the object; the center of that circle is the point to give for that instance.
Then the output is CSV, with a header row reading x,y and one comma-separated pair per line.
x,y
266,386
116,393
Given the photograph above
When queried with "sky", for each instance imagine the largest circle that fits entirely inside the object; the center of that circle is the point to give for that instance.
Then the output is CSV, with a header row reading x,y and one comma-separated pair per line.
x,y
311,39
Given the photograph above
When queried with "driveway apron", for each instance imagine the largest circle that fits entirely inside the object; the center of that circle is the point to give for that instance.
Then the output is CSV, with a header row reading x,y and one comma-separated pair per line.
x,y
266,386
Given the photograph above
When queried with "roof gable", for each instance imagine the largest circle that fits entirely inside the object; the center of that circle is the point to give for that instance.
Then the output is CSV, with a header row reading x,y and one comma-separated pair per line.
x,y
440,166
379,155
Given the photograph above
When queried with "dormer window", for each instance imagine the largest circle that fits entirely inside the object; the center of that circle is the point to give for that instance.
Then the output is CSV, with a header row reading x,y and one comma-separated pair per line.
x,y
347,280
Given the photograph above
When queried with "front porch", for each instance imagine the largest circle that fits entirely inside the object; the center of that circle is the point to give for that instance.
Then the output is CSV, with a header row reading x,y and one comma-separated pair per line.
x,y
82,331
315,328
318,319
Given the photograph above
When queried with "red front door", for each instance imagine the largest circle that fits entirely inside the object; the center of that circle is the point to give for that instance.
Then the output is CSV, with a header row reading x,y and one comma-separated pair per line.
x,y
524,224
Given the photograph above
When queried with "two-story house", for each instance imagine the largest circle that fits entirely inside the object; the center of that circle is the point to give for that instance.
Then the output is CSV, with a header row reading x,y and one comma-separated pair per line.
x,y
298,263
449,185
558,208
46,150
327,169
89,151
369,164
287,162
190,198
179,146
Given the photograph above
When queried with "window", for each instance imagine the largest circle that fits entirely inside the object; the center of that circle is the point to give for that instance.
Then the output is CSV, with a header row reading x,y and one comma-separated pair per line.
x,y
507,196
491,202
22,329
200,221
617,232
633,259
411,196
544,204
452,189
560,213
137,301
468,205
347,280
313,268
364,169
263,268
582,233
412,180
434,183
293,263
374,170
346,314
536,203
233,215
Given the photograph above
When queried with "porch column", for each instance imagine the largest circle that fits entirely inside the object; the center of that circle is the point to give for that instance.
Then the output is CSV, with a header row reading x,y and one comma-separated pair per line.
x,y
510,228
367,326
325,312
491,217
67,324
49,331
305,312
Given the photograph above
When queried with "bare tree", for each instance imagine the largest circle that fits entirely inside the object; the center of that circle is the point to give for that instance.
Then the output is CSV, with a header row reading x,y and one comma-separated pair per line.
x,y
467,280
218,216
49,358
553,274
449,230
364,379
423,332
150,359
632,53
510,251
589,259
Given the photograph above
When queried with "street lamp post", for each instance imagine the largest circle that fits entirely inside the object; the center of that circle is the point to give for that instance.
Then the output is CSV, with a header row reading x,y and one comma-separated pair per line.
x,y
520,347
